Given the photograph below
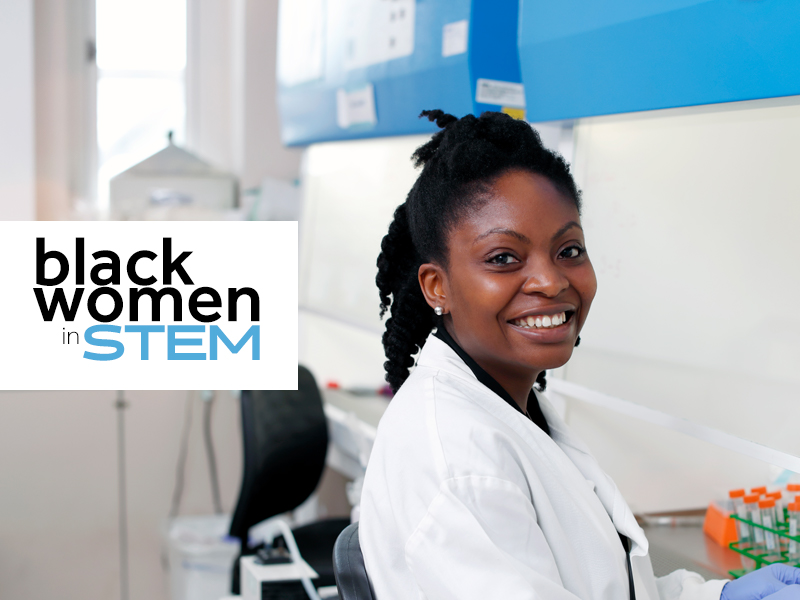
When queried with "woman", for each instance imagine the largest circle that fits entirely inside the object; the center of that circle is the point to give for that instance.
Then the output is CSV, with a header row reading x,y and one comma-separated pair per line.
x,y
476,488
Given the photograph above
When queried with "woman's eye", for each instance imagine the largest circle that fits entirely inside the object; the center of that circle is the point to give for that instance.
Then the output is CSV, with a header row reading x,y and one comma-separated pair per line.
x,y
572,252
503,259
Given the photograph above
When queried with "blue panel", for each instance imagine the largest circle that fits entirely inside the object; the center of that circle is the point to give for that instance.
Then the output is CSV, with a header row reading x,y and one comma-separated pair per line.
x,y
580,59
493,55
309,114
405,86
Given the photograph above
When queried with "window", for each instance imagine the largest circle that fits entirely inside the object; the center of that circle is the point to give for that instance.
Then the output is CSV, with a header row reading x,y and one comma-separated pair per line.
x,y
141,91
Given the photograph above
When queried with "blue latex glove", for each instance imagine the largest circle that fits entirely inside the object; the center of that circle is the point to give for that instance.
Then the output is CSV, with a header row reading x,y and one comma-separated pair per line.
x,y
776,582
790,592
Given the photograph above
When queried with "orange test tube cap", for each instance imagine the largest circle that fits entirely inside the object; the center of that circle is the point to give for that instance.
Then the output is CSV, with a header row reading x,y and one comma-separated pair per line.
x,y
759,490
775,495
736,494
752,498
793,487
769,503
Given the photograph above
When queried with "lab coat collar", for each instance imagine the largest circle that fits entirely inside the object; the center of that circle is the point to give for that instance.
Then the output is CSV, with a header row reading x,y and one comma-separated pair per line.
x,y
437,354
534,412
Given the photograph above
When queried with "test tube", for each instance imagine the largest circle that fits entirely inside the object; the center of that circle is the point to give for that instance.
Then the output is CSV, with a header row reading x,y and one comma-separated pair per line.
x,y
742,528
754,513
794,517
767,509
779,516
792,491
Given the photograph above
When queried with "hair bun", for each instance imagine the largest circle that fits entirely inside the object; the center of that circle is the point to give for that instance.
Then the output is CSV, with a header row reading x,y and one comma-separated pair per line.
x,y
441,118
425,152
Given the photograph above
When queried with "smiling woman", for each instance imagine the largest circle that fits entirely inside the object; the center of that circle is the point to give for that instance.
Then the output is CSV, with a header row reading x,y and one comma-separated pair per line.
x,y
515,266
476,488
461,164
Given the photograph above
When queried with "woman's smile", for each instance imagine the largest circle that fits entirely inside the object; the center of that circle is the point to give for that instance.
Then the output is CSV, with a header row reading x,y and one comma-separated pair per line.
x,y
552,325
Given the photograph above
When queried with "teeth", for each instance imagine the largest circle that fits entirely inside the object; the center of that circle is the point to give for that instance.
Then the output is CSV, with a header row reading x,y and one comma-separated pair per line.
x,y
542,322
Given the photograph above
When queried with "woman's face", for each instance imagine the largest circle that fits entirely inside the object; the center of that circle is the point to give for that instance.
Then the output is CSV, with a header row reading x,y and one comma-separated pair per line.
x,y
516,267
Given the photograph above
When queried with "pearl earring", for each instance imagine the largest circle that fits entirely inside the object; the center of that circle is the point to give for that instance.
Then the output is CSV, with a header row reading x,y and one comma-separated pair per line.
x,y
438,310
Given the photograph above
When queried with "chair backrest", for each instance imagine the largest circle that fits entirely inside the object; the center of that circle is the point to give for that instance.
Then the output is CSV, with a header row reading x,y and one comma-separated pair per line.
x,y
285,437
348,567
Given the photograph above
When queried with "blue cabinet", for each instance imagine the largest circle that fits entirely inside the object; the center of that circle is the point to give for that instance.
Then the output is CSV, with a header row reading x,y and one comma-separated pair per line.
x,y
587,57
365,68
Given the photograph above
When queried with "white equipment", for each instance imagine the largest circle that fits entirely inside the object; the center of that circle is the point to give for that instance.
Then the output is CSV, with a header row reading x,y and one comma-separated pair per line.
x,y
258,580
171,179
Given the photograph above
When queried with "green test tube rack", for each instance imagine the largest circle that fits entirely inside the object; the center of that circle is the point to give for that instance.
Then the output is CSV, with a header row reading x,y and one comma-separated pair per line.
x,y
759,554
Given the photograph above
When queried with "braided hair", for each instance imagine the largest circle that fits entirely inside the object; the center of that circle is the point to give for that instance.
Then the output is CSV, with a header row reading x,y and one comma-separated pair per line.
x,y
459,165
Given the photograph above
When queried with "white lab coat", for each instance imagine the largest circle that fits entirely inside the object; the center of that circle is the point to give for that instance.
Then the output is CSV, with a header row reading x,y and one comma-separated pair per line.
x,y
466,499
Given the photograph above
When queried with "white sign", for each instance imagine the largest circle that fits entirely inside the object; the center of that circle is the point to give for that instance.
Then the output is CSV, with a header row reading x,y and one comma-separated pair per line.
x,y
356,107
502,93
148,305
454,38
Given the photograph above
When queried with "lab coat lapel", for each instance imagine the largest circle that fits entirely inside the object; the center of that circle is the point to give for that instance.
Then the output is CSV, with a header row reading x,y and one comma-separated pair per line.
x,y
435,353
605,488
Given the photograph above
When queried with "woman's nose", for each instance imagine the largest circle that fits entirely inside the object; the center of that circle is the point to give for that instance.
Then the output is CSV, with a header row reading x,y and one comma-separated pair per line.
x,y
545,279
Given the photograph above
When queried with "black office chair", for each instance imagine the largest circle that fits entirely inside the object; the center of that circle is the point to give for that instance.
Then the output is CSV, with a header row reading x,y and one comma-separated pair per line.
x,y
285,437
348,567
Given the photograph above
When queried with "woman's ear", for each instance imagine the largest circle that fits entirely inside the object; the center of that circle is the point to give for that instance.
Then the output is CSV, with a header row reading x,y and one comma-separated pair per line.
x,y
432,280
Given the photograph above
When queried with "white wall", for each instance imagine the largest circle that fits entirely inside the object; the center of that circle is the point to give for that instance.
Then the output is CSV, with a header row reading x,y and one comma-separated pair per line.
x,y
58,490
210,81
17,200
691,219
232,114
350,190
694,218
264,154
65,100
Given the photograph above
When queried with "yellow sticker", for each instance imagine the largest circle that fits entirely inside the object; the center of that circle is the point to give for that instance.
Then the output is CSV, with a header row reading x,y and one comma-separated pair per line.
x,y
517,113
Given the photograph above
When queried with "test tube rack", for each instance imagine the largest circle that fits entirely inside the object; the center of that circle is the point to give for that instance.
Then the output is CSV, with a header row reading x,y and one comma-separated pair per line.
x,y
759,554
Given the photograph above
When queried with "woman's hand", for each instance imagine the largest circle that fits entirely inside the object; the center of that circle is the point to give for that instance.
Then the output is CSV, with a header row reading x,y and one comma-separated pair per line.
x,y
776,582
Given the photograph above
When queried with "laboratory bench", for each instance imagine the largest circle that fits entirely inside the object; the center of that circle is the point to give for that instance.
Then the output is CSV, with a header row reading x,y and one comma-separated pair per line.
x,y
687,547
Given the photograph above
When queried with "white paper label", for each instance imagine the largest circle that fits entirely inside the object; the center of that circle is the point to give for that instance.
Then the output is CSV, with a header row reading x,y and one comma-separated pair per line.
x,y
454,38
377,31
137,305
356,107
501,93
